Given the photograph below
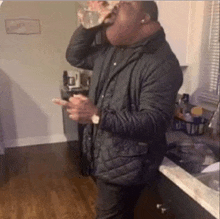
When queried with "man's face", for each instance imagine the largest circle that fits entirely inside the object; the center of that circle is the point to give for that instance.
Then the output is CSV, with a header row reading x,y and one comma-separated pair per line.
x,y
126,19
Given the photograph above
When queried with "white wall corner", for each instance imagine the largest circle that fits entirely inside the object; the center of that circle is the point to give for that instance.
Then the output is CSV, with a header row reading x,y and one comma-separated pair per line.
x,y
188,32
194,49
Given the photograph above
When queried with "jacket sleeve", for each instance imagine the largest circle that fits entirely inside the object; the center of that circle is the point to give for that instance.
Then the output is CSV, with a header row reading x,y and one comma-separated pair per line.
x,y
81,52
156,106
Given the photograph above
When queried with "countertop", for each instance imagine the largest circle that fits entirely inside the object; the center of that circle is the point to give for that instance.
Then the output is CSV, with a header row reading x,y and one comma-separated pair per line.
x,y
202,194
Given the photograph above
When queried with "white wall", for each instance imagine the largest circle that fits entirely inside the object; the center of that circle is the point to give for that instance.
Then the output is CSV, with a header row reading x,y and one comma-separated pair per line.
x,y
31,68
184,25
192,73
174,18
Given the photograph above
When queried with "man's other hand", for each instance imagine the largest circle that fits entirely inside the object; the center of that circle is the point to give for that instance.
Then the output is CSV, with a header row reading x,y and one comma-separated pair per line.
x,y
80,108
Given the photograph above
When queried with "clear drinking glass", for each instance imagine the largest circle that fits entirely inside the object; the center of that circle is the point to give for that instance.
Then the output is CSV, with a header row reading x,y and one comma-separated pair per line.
x,y
93,13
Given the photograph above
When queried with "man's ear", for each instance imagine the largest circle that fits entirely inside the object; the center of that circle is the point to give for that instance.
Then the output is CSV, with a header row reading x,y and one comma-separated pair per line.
x,y
146,19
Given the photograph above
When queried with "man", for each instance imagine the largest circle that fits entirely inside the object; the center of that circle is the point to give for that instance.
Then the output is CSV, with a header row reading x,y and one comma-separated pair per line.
x,y
135,81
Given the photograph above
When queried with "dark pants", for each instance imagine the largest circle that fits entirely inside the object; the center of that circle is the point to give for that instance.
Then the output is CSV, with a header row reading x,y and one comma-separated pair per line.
x,y
117,202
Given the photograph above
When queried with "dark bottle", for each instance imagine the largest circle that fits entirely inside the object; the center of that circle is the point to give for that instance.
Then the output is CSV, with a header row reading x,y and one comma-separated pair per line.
x,y
185,98
184,104
185,107
65,78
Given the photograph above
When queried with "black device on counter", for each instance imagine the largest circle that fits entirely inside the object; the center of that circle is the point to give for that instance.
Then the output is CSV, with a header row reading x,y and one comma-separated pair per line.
x,y
65,78
68,91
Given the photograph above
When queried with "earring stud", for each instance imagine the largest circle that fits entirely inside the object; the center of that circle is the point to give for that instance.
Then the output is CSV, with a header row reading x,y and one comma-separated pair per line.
x,y
142,21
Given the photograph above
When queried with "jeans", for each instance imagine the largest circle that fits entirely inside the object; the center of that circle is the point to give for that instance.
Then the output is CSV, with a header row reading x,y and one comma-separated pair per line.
x,y
117,202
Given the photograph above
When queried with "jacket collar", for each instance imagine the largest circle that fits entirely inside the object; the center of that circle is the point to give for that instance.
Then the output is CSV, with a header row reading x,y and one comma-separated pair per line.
x,y
149,44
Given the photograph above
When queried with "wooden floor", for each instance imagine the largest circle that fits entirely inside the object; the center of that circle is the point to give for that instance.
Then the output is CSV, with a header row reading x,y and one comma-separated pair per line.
x,y
44,183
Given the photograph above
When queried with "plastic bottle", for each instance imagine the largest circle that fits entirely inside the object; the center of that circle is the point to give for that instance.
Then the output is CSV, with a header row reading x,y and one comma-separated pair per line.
x,y
93,13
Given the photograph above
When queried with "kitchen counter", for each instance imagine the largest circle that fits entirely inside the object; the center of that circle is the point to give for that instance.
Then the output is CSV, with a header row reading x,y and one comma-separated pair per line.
x,y
202,194
180,136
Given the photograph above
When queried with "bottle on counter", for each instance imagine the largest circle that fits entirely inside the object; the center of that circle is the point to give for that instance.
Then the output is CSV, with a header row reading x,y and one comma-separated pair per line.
x,y
185,107
184,103
215,121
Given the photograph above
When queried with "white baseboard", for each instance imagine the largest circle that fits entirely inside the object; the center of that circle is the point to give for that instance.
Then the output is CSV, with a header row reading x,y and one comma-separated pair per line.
x,y
38,140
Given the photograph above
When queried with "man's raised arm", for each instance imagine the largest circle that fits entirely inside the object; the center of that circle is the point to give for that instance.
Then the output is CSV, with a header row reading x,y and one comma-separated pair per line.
x,y
81,52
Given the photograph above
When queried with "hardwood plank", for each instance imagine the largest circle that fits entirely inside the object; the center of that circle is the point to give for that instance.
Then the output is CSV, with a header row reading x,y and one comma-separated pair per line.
x,y
44,182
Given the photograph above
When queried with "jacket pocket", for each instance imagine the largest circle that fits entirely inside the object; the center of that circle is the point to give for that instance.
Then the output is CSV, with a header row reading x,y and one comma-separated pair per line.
x,y
128,147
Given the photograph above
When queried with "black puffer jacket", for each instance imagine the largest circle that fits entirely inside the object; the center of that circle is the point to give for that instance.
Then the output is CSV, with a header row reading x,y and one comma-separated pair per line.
x,y
136,101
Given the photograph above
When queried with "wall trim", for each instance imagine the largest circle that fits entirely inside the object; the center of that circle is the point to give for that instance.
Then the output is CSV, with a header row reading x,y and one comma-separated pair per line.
x,y
37,140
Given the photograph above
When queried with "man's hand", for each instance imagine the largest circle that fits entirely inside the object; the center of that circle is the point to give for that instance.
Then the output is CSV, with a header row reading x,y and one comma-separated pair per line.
x,y
79,107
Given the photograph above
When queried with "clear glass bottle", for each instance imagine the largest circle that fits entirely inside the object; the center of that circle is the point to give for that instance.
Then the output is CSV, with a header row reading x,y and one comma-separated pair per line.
x,y
93,13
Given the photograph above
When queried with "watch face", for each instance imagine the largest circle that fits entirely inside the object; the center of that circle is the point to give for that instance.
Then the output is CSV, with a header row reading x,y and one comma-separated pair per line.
x,y
95,119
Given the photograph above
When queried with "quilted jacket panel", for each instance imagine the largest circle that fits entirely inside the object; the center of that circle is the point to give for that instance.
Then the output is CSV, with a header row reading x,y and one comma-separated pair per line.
x,y
129,144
